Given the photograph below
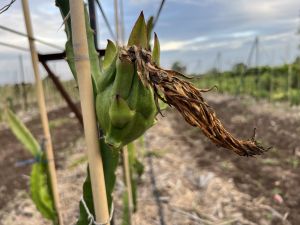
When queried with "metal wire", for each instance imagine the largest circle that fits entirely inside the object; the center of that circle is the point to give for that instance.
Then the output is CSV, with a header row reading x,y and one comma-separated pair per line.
x,y
6,7
106,20
32,38
14,46
158,12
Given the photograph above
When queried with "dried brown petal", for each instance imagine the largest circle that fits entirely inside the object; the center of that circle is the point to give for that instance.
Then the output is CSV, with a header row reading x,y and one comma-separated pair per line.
x,y
191,105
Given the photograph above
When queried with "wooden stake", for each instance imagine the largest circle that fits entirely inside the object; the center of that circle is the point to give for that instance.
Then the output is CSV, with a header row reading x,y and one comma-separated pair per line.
x,y
43,111
83,70
128,181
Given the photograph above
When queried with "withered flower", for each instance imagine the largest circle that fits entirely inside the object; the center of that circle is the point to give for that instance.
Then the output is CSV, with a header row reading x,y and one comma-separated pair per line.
x,y
187,99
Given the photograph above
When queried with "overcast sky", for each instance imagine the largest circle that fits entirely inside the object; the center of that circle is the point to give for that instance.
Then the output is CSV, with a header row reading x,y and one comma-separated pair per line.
x,y
191,31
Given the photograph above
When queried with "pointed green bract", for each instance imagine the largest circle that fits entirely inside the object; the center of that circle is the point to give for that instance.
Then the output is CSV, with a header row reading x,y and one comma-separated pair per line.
x,y
119,113
109,71
139,34
156,51
22,133
149,30
124,78
110,53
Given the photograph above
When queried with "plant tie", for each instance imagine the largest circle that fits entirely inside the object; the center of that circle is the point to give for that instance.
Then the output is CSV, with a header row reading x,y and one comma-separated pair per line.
x,y
91,218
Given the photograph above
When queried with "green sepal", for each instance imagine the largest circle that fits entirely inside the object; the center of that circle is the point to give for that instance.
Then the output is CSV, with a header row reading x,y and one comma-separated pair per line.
x,y
124,78
149,30
109,75
135,128
138,34
145,104
156,51
119,112
110,54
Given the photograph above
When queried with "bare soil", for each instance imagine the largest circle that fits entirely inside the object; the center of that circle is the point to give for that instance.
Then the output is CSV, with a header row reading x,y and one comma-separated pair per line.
x,y
187,179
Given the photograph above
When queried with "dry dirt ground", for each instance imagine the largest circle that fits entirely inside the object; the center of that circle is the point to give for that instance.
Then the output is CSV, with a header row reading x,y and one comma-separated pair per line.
x,y
187,179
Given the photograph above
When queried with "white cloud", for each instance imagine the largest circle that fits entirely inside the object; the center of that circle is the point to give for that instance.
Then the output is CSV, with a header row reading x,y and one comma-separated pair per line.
x,y
143,1
243,34
179,45
186,28
280,36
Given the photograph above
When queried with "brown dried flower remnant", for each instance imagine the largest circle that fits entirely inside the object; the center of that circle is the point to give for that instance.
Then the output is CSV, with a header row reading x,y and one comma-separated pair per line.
x,y
188,101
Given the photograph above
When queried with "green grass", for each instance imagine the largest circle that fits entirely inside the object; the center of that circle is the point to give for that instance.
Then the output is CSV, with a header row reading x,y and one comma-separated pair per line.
x,y
273,84
58,122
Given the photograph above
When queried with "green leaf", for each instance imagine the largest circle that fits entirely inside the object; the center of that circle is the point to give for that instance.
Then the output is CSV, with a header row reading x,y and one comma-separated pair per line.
x,y
40,186
138,34
40,190
22,133
156,51
110,159
88,198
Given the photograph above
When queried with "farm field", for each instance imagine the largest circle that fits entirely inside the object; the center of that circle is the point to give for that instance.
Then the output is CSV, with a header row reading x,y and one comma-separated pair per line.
x,y
187,180
149,112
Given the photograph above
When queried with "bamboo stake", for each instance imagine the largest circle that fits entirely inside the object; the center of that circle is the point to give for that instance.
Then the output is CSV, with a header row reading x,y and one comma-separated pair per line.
x,y
128,181
117,24
82,65
43,111
122,29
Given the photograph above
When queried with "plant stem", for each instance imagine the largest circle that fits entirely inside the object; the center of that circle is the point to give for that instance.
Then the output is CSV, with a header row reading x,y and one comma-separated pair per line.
x,y
83,70
126,168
